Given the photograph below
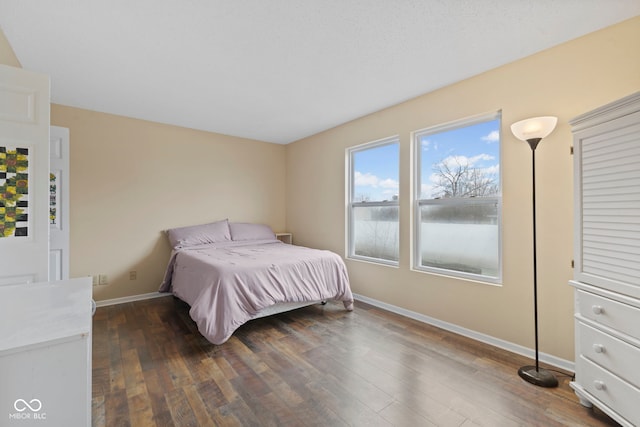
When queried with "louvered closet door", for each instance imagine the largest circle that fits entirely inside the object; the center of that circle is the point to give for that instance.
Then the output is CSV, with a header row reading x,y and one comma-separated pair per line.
x,y
607,161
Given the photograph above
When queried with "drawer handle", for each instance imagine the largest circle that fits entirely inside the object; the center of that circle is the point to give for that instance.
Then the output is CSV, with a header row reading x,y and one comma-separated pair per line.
x,y
599,385
598,348
597,309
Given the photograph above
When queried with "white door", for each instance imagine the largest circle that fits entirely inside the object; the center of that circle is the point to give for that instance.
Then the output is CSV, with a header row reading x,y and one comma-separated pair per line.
x,y
24,176
59,203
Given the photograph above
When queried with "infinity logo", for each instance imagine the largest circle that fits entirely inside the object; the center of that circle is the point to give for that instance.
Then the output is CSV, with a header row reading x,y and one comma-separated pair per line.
x,y
21,405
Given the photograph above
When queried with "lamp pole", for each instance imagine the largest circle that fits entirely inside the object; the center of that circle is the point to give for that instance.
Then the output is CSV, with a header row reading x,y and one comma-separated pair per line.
x,y
533,130
533,143
534,374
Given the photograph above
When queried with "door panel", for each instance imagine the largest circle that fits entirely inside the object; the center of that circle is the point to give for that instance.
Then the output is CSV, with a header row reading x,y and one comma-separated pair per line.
x,y
59,204
24,176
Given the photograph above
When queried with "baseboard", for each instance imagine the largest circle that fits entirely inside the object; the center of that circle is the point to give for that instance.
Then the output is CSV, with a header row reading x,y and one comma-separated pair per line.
x,y
505,345
122,300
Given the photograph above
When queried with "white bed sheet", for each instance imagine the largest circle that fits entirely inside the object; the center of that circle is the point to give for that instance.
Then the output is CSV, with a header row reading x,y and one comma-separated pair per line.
x,y
230,283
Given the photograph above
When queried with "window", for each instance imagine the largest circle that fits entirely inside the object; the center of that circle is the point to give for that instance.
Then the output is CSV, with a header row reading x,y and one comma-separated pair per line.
x,y
373,171
457,201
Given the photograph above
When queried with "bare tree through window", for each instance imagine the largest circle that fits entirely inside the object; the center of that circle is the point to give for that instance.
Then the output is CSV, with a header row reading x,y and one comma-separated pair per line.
x,y
455,177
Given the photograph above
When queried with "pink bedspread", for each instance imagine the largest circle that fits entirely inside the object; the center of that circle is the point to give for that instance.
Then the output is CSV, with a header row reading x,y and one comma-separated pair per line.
x,y
228,284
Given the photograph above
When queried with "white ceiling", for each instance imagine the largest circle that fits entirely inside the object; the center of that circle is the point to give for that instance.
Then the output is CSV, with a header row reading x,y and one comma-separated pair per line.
x,y
279,70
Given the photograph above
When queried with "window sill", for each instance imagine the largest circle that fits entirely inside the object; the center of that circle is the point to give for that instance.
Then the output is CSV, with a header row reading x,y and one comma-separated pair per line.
x,y
374,261
460,276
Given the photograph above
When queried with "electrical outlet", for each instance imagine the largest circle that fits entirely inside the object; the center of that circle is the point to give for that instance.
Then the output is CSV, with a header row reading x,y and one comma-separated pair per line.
x,y
94,280
103,279
133,275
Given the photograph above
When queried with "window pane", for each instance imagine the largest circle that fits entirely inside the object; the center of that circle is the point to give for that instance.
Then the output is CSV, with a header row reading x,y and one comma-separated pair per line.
x,y
461,162
375,174
458,198
373,201
460,237
375,232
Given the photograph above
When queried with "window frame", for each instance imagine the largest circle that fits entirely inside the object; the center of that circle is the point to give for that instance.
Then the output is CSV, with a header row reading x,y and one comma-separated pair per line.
x,y
350,204
417,202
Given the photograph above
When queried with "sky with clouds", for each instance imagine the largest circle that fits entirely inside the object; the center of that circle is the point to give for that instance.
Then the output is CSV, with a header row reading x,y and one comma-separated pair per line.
x,y
376,170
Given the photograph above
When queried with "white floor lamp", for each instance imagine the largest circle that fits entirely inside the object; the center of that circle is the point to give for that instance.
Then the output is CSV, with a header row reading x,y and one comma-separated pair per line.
x,y
532,131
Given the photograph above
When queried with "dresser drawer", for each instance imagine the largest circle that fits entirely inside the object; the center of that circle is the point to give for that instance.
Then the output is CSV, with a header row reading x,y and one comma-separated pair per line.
x,y
611,353
611,390
614,314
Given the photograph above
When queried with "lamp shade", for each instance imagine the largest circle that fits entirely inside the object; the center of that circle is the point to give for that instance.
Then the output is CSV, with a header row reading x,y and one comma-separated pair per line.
x,y
534,128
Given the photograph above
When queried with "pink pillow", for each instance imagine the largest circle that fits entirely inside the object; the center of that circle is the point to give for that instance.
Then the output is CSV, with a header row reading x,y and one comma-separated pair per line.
x,y
248,231
214,232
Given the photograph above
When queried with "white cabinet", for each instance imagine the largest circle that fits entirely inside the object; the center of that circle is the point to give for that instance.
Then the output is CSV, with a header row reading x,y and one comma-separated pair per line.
x,y
45,354
285,237
607,258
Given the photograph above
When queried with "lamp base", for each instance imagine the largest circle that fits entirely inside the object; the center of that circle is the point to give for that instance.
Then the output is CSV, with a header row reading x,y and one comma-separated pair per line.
x,y
540,377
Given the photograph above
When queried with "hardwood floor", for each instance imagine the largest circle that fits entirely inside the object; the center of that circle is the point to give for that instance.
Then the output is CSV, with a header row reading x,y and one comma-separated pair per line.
x,y
316,366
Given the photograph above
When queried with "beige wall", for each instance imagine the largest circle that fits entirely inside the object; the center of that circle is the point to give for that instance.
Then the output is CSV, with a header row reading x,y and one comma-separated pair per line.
x,y
564,81
7,55
131,179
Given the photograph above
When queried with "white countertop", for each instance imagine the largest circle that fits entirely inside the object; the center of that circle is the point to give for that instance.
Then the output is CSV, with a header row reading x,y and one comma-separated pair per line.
x,y
38,313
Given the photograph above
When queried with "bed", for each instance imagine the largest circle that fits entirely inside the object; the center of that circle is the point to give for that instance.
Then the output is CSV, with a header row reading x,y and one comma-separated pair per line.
x,y
230,273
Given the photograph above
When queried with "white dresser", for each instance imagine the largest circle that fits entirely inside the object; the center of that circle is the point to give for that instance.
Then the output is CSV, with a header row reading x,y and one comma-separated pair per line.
x,y
45,354
607,259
